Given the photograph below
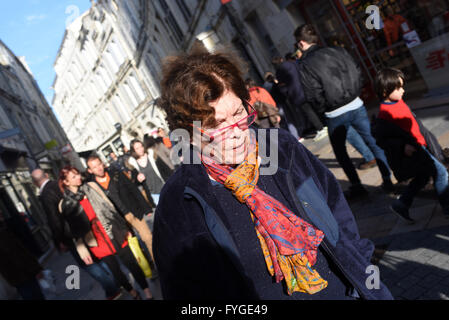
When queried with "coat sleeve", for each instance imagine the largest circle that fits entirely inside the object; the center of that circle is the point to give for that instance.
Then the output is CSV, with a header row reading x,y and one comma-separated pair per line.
x,y
331,190
190,263
55,221
313,89
116,195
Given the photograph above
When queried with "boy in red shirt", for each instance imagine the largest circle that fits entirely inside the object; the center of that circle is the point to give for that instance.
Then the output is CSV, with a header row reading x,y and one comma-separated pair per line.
x,y
406,149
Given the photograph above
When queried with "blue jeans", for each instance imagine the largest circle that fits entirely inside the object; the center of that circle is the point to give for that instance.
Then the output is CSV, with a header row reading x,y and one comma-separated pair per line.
x,y
100,272
441,184
441,177
357,142
338,127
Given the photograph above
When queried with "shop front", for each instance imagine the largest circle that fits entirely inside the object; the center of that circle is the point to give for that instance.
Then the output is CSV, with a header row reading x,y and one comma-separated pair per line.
x,y
412,35
19,205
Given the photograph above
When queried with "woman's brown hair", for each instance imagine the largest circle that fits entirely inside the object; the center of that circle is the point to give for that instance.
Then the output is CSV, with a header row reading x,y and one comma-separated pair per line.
x,y
190,82
63,175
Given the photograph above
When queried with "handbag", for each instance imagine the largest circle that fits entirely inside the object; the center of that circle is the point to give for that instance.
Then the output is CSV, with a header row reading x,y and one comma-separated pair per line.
x,y
140,257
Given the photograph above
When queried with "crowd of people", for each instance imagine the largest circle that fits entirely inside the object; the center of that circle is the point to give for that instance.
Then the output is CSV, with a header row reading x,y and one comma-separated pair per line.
x,y
221,229
93,214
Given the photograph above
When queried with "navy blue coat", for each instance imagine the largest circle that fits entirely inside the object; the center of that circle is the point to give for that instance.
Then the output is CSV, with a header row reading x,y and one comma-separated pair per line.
x,y
196,255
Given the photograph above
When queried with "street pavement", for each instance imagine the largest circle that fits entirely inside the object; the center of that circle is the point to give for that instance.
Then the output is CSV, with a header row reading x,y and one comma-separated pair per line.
x,y
413,259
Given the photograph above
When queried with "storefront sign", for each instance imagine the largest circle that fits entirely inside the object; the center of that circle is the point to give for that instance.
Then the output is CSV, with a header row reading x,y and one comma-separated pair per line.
x,y
412,39
66,149
432,58
51,144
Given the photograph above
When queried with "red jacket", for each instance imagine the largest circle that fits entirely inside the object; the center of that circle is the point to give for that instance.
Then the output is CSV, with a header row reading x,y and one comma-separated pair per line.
x,y
392,26
260,94
105,247
400,114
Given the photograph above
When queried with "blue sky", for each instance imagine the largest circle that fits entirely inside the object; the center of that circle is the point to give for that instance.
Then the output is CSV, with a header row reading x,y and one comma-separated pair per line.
x,y
34,29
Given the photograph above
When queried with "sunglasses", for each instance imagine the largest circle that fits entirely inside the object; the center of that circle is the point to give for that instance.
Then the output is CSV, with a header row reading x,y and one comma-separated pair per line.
x,y
242,124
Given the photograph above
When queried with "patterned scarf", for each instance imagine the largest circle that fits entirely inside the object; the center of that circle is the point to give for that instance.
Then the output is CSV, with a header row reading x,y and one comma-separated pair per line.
x,y
289,243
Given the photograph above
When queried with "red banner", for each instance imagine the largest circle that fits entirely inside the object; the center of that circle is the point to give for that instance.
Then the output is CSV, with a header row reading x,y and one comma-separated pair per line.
x,y
225,1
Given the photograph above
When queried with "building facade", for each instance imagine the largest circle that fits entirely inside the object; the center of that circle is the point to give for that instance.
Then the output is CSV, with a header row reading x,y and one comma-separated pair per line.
x,y
410,35
30,137
106,85
108,68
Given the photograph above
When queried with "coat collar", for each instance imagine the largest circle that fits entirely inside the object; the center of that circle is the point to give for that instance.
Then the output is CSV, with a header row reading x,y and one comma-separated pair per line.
x,y
309,51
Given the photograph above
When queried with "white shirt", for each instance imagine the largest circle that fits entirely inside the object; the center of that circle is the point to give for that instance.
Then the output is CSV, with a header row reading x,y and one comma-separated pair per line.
x,y
353,105
43,185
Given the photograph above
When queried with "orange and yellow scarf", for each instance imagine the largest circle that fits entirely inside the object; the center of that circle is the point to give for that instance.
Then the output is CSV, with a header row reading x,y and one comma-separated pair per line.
x,y
289,243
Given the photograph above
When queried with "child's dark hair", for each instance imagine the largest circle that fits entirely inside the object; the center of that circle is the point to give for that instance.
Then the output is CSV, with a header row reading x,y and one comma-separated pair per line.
x,y
388,80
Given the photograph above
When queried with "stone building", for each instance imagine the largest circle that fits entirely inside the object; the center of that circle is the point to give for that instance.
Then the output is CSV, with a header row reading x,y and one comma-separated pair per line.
x,y
106,83
30,137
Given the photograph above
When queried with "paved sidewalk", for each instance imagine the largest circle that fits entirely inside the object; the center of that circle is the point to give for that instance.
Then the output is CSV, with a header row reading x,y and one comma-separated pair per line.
x,y
416,264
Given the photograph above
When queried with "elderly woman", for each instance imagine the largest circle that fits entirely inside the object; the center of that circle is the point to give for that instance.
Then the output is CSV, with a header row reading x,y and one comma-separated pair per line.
x,y
222,230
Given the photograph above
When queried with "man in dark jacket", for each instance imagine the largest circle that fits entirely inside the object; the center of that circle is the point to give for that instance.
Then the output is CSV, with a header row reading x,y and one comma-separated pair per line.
x,y
290,86
332,83
50,196
125,196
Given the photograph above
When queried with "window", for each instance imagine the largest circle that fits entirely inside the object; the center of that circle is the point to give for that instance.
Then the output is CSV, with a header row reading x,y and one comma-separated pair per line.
x,y
184,10
120,105
130,94
117,52
171,21
111,61
131,10
135,86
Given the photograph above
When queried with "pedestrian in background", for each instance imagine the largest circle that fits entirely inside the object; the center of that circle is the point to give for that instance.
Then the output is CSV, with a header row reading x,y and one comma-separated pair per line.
x,y
290,85
99,230
144,161
267,112
50,196
332,83
400,135
125,196
165,139
290,120
116,163
162,155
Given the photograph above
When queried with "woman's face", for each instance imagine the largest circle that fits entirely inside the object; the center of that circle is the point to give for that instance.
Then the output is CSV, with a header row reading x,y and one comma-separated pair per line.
x,y
139,149
73,179
231,146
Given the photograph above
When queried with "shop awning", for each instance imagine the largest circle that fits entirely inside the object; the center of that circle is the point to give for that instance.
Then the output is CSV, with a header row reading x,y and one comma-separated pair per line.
x,y
11,158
